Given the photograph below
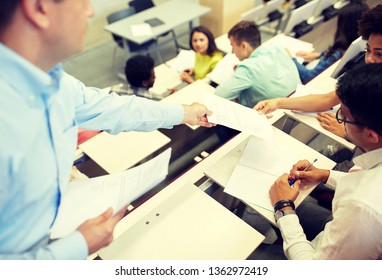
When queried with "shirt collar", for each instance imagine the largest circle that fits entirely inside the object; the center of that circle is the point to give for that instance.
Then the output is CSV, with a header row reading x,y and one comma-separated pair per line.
x,y
370,159
27,79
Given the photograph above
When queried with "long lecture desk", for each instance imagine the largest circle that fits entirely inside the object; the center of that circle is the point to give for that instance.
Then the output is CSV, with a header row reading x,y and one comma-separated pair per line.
x,y
173,13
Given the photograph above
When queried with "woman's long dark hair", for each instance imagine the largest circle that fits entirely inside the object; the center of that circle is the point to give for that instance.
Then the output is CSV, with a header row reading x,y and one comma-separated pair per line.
x,y
347,26
211,40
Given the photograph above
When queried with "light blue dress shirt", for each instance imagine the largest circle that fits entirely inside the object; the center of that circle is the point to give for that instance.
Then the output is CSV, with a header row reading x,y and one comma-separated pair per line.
x,y
39,116
267,73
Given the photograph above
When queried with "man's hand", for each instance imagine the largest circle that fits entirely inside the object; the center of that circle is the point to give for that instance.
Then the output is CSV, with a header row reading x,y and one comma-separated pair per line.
x,y
98,232
310,176
308,56
186,76
196,114
267,106
329,122
281,190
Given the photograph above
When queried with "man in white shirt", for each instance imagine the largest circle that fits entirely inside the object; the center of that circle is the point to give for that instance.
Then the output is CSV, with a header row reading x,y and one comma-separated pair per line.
x,y
356,228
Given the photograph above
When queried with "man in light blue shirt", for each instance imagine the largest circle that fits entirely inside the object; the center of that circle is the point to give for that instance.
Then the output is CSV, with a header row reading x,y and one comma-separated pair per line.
x,y
40,112
264,71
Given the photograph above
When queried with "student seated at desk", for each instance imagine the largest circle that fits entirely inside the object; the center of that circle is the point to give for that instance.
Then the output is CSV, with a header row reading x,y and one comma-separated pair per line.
x,y
370,28
264,71
347,32
140,75
207,54
354,232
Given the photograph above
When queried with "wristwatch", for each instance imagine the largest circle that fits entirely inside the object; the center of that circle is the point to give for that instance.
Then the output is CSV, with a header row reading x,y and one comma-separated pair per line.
x,y
280,213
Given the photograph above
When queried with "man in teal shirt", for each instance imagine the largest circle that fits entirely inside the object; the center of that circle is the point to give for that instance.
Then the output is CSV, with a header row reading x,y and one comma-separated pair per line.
x,y
265,71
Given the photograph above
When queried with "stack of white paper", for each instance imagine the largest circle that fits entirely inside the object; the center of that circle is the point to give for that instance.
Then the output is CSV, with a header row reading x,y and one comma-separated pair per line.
x,y
142,29
88,198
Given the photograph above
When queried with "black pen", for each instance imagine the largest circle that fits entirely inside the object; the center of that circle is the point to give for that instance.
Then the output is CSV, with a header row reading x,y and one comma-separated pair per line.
x,y
291,182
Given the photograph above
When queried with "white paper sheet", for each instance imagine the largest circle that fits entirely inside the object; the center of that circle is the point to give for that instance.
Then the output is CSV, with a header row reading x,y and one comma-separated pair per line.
x,y
184,60
86,199
239,117
165,79
142,29
224,69
261,163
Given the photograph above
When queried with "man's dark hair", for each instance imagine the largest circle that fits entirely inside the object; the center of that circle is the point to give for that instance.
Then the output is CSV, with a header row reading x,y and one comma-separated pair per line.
x,y
7,10
138,69
371,22
211,40
246,31
360,90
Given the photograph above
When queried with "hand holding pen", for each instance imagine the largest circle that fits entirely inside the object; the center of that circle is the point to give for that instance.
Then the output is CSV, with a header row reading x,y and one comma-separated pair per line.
x,y
292,181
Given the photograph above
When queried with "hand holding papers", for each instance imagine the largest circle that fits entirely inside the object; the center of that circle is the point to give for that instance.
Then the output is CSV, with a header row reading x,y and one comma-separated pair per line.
x,y
85,199
239,117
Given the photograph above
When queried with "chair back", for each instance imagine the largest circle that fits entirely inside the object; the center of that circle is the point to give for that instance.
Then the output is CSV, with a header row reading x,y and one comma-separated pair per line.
x,y
118,16
141,5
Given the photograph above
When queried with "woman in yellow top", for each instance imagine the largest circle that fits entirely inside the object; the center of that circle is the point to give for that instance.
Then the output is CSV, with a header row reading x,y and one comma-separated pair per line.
x,y
207,54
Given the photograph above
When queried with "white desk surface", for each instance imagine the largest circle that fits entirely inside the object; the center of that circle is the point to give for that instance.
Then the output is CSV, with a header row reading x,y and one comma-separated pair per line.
x,y
173,13
116,153
221,171
187,225
290,43
324,83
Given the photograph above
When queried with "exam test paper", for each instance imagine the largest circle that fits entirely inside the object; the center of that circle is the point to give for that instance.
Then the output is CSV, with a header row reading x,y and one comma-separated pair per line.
x,y
236,116
261,163
89,198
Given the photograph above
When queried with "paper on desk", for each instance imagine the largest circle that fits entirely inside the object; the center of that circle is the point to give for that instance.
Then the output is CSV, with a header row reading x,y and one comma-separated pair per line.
x,y
239,117
261,163
184,60
86,199
224,69
165,79
293,45
142,29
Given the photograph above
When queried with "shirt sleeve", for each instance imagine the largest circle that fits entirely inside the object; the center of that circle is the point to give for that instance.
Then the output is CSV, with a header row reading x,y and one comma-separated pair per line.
x,y
98,110
72,247
333,177
240,81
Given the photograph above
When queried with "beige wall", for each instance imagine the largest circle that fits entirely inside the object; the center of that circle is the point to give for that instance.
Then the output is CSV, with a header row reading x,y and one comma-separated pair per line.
x,y
226,13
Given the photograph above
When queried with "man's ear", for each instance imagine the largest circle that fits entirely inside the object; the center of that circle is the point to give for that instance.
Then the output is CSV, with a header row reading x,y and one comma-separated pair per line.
x,y
372,136
145,84
36,11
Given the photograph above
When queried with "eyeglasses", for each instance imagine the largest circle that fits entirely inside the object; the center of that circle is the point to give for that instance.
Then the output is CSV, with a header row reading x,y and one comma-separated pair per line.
x,y
342,119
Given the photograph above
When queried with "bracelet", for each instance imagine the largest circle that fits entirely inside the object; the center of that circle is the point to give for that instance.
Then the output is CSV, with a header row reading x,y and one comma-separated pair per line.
x,y
284,203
